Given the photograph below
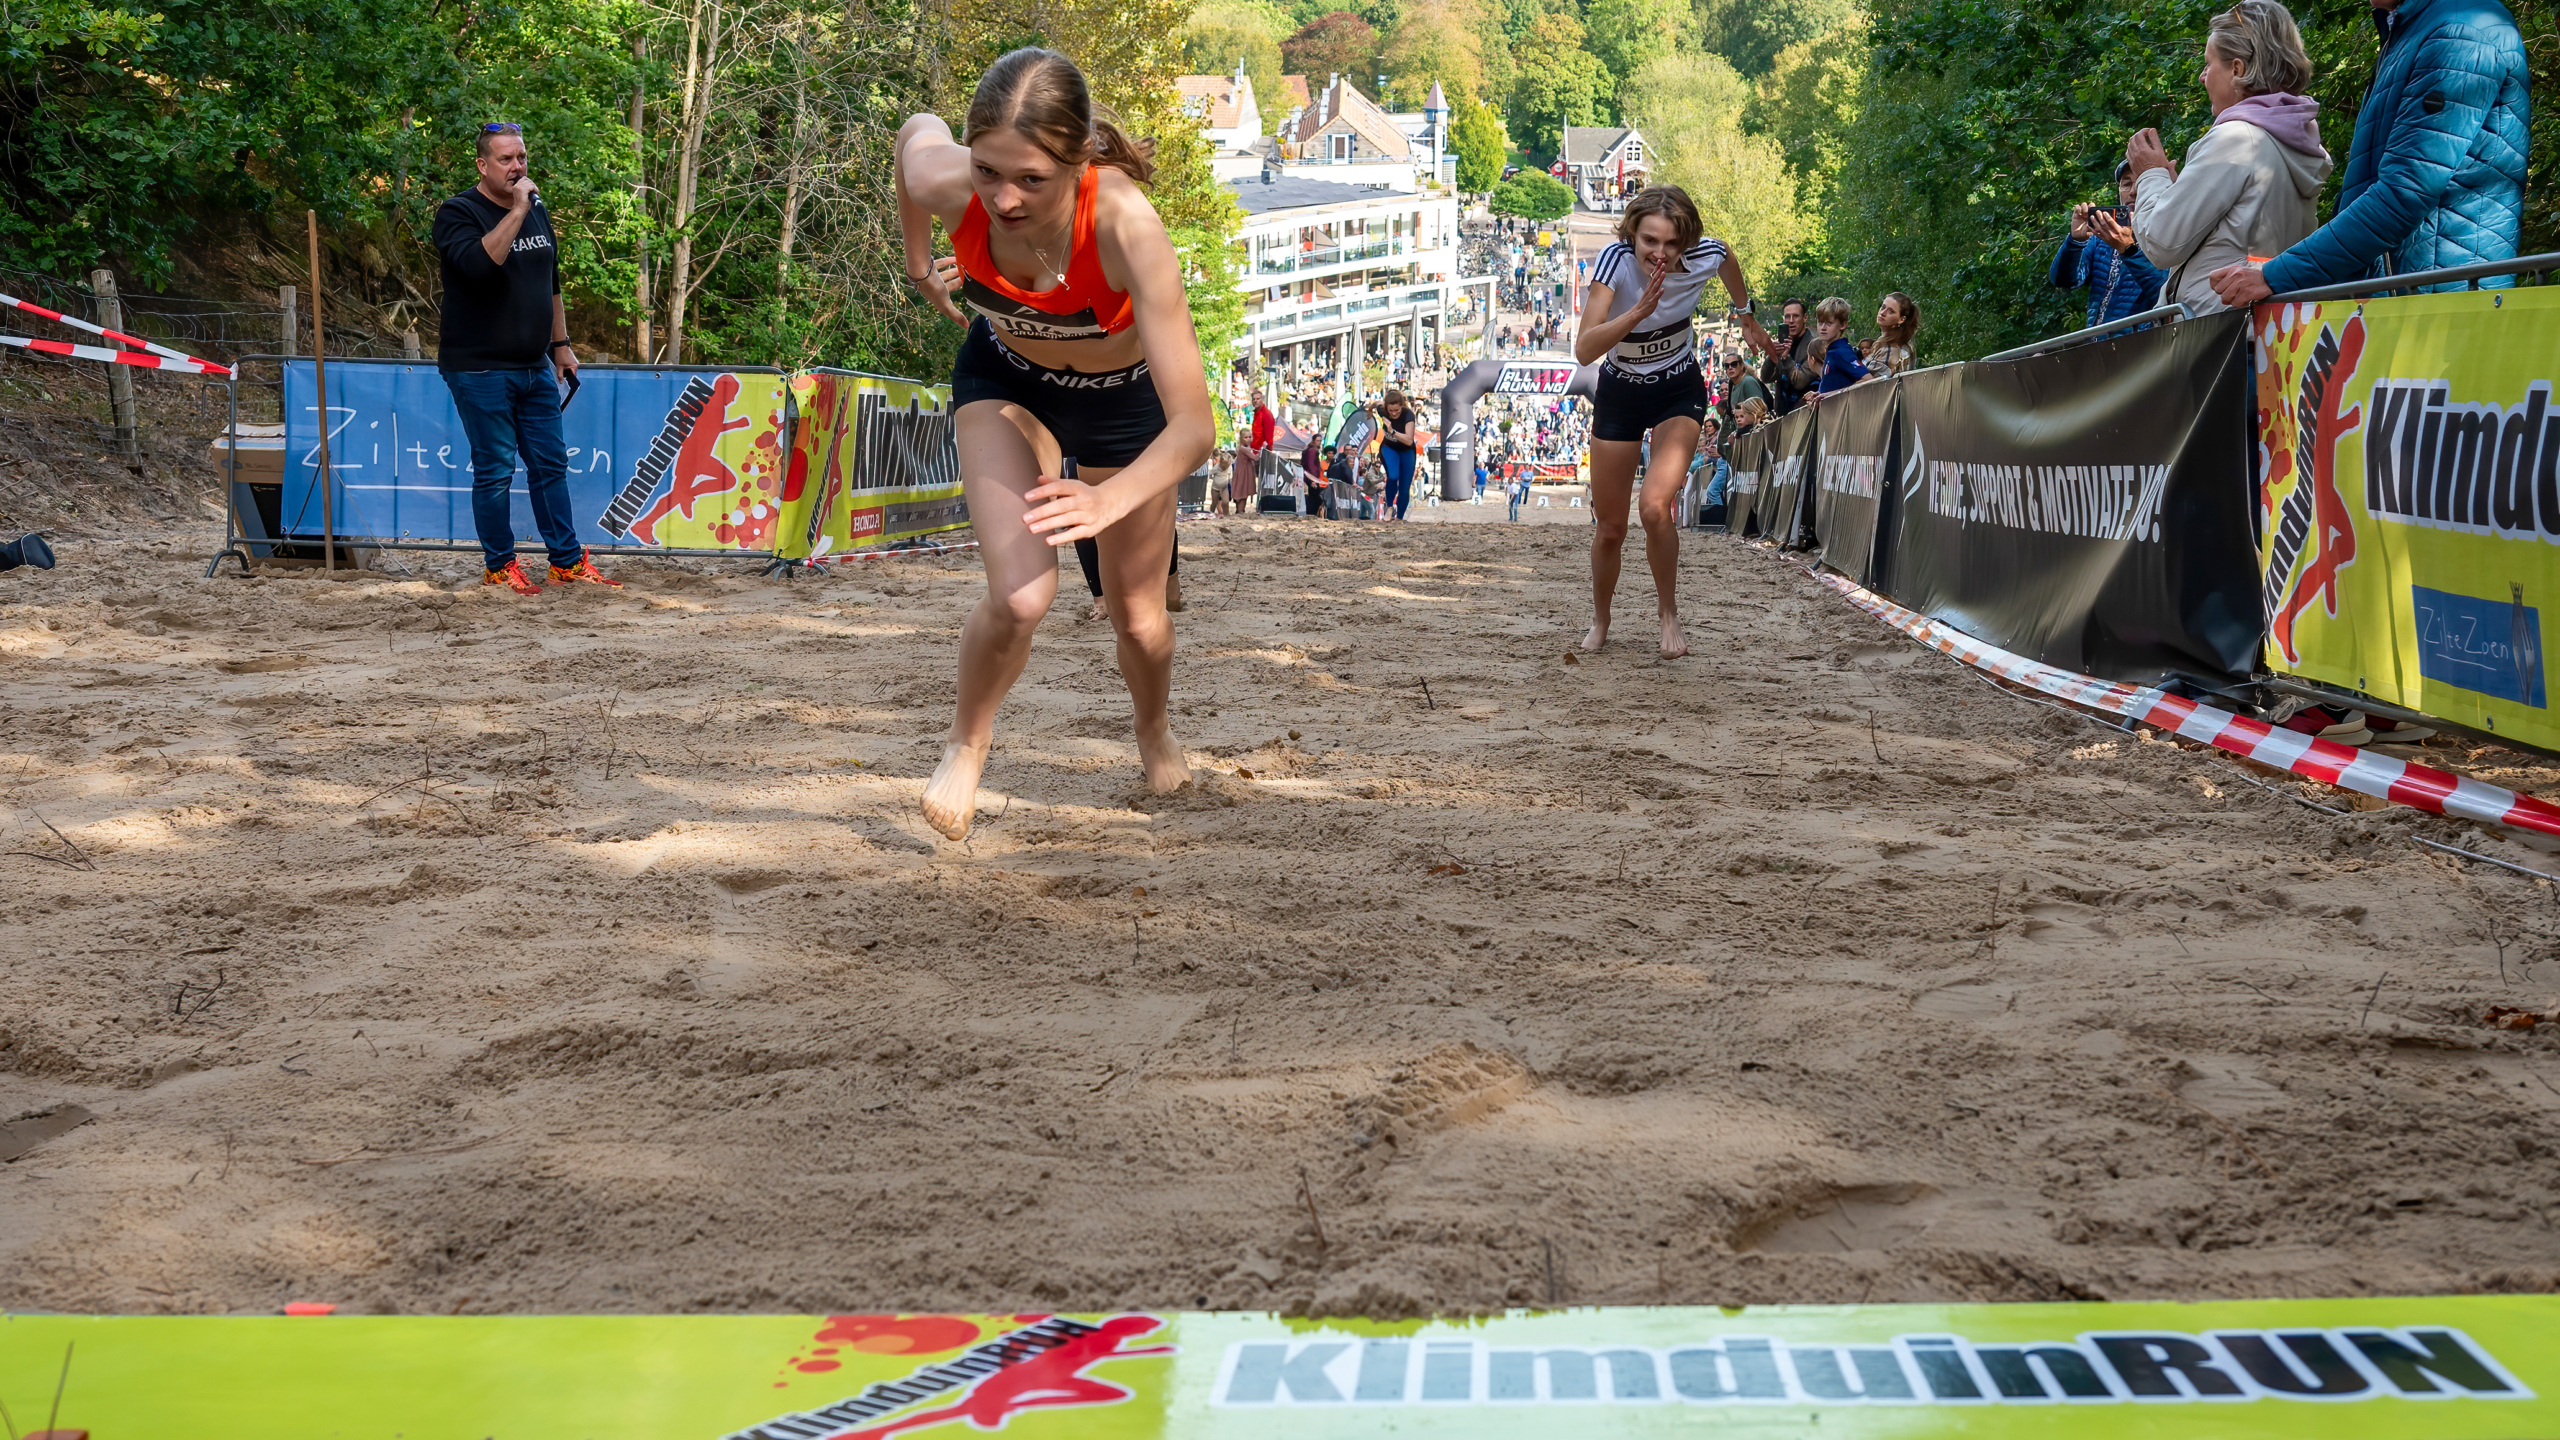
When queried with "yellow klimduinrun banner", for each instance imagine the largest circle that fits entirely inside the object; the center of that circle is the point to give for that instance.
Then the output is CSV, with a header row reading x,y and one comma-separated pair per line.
x,y
2448,1368
2409,455
872,463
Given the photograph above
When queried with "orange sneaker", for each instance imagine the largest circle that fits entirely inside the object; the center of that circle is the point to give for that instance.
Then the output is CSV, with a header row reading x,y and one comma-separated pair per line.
x,y
583,573
513,577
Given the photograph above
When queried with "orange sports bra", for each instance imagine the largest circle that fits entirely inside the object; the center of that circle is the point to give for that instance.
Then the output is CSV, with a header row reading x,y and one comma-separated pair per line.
x,y
1082,307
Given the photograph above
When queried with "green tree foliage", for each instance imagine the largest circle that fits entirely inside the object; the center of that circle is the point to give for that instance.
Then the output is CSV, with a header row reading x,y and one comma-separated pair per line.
x,y
1532,195
2541,24
1335,43
1750,33
126,128
1624,34
718,170
1475,132
1221,33
1484,19
1559,83
1436,42
1807,103
1689,107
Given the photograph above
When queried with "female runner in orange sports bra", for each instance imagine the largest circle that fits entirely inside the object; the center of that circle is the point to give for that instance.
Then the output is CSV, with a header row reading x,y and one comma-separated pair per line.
x,y
1082,349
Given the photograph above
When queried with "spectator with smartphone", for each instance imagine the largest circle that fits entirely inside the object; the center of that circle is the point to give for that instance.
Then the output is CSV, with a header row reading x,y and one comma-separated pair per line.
x,y
2251,184
1788,375
2120,280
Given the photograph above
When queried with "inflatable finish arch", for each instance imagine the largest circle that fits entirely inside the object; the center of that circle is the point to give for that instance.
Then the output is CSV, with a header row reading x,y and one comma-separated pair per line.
x,y
1497,377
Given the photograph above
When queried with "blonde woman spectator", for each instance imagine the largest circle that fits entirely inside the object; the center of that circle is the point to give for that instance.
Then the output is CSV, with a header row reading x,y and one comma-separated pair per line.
x,y
2251,186
1891,352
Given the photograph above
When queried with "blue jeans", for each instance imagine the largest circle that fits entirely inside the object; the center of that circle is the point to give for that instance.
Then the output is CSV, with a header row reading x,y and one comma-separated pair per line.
x,y
506,413
1399,463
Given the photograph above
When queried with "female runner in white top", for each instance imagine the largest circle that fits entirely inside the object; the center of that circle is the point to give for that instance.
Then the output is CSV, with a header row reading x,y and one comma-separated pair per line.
x,y
1637,313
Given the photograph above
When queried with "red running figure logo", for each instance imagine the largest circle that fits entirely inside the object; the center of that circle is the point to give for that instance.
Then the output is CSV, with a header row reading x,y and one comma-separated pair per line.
x,y
2333,530
1040,1366
699,472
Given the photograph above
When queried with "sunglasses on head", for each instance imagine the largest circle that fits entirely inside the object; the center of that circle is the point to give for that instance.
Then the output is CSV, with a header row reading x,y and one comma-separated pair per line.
x,y
502,127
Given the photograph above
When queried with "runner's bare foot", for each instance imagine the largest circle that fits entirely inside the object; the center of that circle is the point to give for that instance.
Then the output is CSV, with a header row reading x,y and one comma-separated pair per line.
x,y
1173,594
1674,644
951,796
1598,637
1101,609
1162,755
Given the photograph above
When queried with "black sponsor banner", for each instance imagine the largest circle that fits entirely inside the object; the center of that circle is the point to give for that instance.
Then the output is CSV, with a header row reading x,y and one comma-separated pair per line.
x,y
1750,460
2089,508
1782,514
1852,478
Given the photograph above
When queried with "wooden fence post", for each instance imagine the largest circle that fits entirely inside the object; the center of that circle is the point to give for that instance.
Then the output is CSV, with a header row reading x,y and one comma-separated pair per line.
x,y
119,377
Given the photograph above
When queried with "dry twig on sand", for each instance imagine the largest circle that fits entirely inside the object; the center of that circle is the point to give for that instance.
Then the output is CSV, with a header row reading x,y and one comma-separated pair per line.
x,y
80,860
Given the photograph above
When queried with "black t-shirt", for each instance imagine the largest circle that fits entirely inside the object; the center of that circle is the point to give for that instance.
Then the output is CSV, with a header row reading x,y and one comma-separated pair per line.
x,y
1397,432
496,317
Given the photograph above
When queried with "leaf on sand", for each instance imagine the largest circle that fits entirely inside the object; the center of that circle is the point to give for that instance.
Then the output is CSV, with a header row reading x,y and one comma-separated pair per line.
x,y
2511,1017
1244,773
1571,659
1450,869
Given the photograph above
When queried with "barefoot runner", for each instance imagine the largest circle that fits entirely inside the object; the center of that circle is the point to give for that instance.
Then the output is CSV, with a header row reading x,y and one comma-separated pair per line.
x,y
1082,348
1637,312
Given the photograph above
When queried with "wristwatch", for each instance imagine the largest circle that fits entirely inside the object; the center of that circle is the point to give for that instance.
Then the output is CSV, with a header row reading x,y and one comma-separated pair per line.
x,y
556,344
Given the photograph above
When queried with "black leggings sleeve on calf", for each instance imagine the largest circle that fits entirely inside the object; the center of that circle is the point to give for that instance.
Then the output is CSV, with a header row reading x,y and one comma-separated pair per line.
x,y
1089,555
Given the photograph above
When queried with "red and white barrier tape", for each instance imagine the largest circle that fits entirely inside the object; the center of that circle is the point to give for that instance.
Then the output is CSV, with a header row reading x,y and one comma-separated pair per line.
x,y
184,365
2420,787
84,352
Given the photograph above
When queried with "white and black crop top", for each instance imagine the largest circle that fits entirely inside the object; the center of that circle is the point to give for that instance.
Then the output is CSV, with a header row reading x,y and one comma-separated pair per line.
x,y
1666,338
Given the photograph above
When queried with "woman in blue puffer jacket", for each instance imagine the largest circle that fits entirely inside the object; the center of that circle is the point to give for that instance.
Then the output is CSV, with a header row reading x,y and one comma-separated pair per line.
x,y
2436,177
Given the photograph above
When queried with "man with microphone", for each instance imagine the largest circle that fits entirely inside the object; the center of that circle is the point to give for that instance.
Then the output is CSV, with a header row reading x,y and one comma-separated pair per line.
x,y
506,334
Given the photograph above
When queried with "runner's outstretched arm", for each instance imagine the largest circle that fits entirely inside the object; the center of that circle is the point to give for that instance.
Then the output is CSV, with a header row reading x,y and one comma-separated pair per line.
x,y
933,184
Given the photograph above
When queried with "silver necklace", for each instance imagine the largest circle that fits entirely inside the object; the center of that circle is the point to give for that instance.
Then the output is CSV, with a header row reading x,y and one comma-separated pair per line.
x,y
1057,272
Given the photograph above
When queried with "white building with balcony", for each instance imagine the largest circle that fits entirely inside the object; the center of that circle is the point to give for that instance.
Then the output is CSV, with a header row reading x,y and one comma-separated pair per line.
x,y
1333,271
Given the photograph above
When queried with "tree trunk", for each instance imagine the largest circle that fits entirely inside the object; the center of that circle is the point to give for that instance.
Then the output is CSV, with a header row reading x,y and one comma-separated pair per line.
x,y
702,60
640,199
792,172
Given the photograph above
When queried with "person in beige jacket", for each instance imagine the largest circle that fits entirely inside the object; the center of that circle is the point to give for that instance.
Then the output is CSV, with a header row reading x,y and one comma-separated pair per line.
x,y
2251,185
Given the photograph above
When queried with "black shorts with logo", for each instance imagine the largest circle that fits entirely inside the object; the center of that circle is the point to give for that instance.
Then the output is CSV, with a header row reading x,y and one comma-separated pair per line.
x,y
1625,406
1098,417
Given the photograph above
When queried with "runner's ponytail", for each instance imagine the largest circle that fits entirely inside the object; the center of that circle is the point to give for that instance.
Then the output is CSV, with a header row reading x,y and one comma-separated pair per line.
x,y
1041,95
1113,147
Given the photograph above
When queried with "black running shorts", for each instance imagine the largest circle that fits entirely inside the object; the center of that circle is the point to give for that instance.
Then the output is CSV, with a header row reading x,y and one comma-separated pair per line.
x,y
1625,406
1098,418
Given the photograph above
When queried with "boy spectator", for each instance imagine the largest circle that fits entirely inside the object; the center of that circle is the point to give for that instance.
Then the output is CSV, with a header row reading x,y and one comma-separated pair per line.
x,y
1836,361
